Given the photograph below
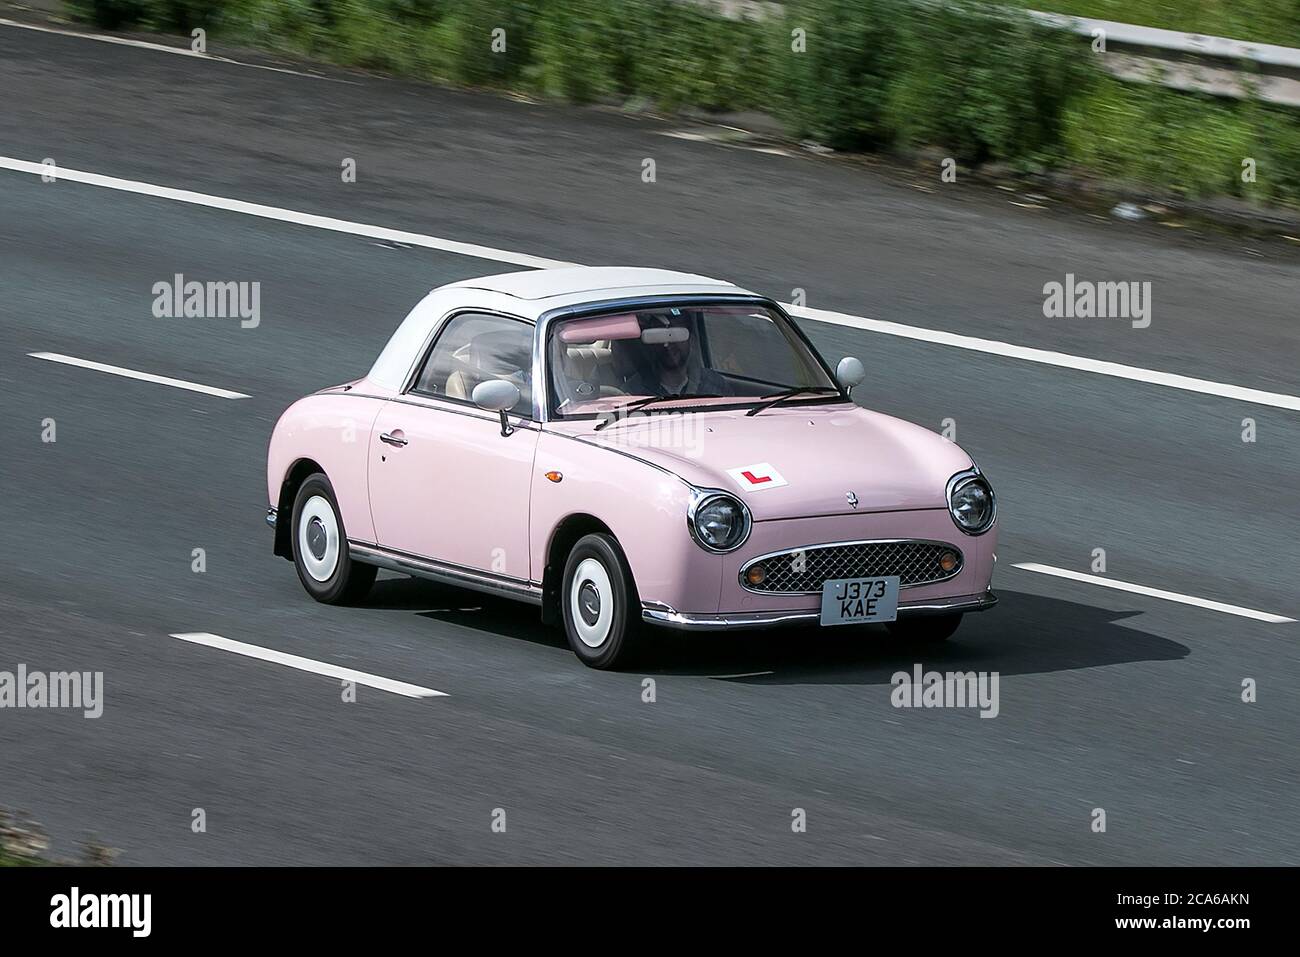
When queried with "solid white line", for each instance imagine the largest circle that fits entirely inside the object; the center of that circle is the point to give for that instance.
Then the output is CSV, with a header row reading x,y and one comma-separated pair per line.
x,y
283,215
161,48
990,346
1061,359
307,664
143,376
1154,593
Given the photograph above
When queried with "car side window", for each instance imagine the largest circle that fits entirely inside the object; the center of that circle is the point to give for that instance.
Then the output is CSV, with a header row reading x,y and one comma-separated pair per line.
x,y
473,348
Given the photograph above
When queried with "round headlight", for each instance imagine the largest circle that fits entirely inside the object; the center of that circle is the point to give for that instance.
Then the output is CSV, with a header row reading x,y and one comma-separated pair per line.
x,y
970,500
720,522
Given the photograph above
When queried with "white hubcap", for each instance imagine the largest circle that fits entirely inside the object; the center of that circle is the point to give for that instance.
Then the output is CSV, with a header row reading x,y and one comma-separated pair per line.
x,y
591,603
318,538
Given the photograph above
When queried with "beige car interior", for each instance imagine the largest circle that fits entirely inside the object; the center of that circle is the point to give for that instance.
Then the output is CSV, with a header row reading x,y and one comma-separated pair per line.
x,y
607,367
588,370
491,355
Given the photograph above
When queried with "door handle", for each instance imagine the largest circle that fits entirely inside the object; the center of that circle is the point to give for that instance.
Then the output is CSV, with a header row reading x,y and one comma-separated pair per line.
x,y
393,438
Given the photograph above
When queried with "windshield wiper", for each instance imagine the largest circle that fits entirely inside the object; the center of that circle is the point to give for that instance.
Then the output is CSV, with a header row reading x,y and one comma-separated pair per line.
x,y
621,412
776,398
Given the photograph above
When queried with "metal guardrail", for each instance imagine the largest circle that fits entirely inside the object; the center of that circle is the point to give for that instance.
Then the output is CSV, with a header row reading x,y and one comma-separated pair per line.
x,y
1189,61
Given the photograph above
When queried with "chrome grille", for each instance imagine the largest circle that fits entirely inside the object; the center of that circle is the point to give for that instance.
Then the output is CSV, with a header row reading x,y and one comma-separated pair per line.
x,y
804,570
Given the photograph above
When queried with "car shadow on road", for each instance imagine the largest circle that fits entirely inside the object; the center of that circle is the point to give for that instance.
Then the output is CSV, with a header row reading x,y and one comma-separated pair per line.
x,y
464,608
1024,634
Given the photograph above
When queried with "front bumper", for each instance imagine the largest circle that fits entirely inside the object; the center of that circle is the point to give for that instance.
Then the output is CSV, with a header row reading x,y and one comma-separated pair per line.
x,y
667,617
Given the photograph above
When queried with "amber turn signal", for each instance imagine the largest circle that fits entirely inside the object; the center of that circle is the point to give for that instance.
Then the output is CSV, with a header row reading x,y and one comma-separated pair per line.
x,y
756,574
947,561
555,476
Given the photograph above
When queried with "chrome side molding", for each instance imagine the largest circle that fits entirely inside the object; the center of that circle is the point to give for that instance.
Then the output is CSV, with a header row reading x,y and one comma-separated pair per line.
x,y
446,573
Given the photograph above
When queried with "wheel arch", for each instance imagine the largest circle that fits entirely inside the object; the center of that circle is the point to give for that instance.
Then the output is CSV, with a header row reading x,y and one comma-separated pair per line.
x,y
564,536
296,474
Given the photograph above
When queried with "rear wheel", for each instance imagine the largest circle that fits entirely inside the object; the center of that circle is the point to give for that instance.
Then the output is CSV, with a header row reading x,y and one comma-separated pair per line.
x,y
598,603
320,547
925,628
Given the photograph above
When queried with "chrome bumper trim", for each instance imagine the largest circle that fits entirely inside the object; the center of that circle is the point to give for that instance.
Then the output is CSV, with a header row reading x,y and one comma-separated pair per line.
x,y
445,573
271,514
666,617
942,606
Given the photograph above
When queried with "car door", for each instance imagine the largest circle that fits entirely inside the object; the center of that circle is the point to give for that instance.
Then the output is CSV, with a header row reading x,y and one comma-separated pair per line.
x,y
445,484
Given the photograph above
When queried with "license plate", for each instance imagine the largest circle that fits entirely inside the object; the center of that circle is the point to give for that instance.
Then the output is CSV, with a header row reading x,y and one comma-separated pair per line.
x,y
855,601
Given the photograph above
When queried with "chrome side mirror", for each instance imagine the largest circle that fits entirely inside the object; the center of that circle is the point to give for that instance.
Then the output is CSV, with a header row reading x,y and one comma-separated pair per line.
x,y
849,373
497,395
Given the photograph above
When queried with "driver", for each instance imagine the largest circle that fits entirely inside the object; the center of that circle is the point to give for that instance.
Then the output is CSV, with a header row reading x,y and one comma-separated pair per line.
x,y
674,367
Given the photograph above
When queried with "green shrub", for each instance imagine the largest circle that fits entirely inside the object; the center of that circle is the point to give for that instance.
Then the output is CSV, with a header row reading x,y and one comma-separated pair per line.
x,y
1190,144
1277,153
982,83
976,81
691,58
111,14
836,88
271,21
583,51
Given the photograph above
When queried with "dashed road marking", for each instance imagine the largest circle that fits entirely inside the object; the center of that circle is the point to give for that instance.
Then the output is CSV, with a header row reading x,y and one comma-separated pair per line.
x,y
135,374
308,664
1154,593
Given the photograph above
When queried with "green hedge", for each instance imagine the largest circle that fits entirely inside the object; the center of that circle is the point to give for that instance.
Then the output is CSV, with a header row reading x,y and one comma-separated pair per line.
x,y
961,75
1193,145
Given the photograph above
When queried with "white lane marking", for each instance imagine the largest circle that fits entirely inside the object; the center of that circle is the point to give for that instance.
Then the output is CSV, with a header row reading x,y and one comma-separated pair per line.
x,y
143,376
1061,359
1154,593
163,48
307,664
283,215
991,346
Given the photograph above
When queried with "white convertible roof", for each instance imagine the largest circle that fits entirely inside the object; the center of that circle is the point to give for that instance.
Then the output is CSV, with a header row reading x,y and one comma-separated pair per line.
x,y
594,281
528,294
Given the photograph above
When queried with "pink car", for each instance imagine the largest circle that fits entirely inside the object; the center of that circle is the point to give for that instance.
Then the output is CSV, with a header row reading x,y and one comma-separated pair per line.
x,y
627,448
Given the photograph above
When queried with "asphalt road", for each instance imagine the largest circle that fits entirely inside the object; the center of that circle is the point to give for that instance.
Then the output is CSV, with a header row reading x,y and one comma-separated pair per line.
x,y
1125,702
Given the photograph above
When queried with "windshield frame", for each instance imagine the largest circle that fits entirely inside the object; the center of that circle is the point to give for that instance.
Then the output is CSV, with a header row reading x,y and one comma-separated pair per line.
x,y
545,323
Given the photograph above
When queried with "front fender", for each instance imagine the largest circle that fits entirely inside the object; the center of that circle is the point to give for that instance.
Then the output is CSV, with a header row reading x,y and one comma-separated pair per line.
x,y
644,507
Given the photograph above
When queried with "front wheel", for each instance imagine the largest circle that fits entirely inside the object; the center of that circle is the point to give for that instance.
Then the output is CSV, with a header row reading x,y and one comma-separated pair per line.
x,y
320,547
925,628
598,602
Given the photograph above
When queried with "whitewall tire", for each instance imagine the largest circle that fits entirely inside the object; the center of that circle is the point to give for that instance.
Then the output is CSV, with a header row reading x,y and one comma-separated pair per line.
x,y
598,601
320,547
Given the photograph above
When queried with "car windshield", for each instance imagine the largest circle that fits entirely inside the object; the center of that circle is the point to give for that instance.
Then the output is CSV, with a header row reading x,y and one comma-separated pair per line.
x,y
697,354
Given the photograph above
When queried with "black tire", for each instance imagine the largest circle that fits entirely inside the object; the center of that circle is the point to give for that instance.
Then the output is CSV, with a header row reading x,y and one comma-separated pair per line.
x,y
324,566
603,630
925,628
